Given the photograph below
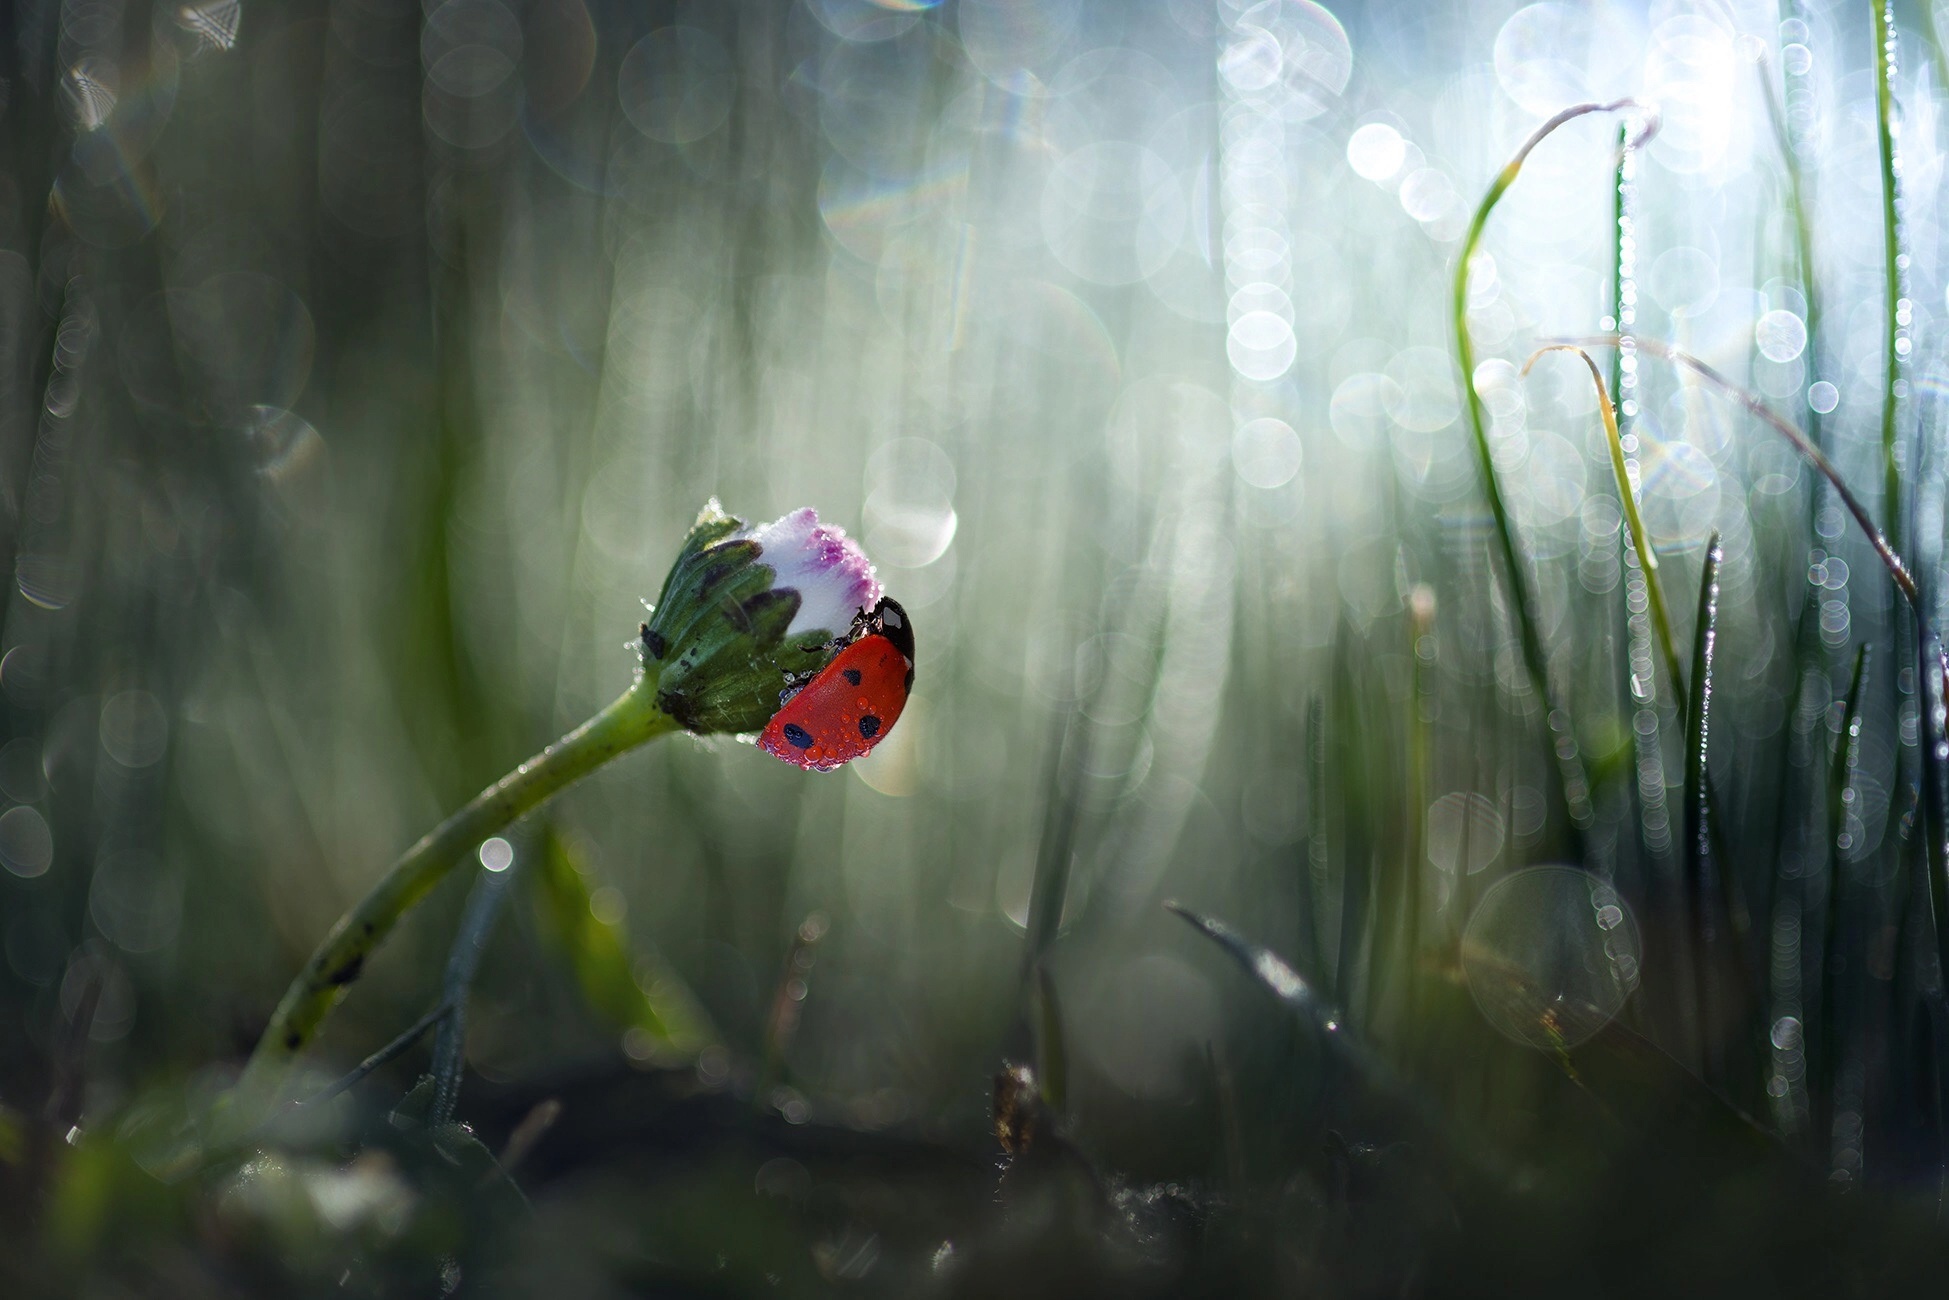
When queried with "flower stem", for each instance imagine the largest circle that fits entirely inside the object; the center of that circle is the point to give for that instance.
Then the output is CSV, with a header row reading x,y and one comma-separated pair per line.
x,y
631,721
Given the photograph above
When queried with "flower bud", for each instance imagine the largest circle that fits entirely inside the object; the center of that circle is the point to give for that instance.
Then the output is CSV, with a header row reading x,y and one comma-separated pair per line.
x,y
746,613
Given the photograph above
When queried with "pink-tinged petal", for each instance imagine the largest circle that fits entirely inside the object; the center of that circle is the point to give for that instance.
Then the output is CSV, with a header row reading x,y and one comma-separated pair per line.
x,y
832,575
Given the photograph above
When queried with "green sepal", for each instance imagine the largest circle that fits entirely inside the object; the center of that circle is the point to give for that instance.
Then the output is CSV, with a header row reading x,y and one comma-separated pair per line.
x,y
717,642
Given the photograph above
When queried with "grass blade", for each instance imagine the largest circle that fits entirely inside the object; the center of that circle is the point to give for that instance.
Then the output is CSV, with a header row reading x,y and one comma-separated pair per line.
x,y
1896,327
1271,971
1847,758
1803,230
1314,871
1573,785
1051,1053
483,909
1627,496
1699,864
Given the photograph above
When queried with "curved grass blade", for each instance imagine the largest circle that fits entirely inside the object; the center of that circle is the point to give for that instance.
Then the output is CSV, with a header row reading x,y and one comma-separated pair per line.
x,y
1269,969
1573,785
1627,496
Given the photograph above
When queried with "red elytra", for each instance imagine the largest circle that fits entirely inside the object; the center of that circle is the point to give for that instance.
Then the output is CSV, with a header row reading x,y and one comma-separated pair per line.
x,y
853,702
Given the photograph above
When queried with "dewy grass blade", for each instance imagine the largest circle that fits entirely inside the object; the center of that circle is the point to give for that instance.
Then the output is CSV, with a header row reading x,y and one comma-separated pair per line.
x,y
1803,230
1847,759
1896,323
1623,249
1699,862
1628,497
1574,787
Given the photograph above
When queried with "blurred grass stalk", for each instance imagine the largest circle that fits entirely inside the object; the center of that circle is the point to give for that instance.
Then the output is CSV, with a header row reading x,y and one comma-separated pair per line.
x,y
631,721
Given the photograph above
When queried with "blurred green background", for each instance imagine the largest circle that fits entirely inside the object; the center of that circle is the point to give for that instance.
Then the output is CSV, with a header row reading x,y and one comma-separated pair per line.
x,y
365,362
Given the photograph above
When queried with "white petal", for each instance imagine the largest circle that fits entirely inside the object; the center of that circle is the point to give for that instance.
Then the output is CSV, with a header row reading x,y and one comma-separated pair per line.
x,y
832,575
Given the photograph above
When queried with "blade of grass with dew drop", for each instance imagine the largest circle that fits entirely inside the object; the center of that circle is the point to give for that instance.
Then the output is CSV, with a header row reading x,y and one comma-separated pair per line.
x,y
1628,499
477,920
1841,774
1709,835
1803,230
1572,785
631,990
1935,802
1702,867
1896,329
1622,248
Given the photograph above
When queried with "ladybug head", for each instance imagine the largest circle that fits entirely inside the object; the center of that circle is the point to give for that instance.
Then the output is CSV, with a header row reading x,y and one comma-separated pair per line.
x,y
887,619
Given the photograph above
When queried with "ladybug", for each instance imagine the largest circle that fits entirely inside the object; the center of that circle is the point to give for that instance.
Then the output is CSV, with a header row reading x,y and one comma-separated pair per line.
x,y
848,706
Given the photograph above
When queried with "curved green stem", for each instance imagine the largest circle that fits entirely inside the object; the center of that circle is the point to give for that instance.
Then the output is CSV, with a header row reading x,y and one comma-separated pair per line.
x,y
631,721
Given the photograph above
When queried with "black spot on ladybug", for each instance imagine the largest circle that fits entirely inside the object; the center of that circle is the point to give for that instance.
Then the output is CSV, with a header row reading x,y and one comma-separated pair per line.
x,y
869,726
797,737
851,675
654,643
